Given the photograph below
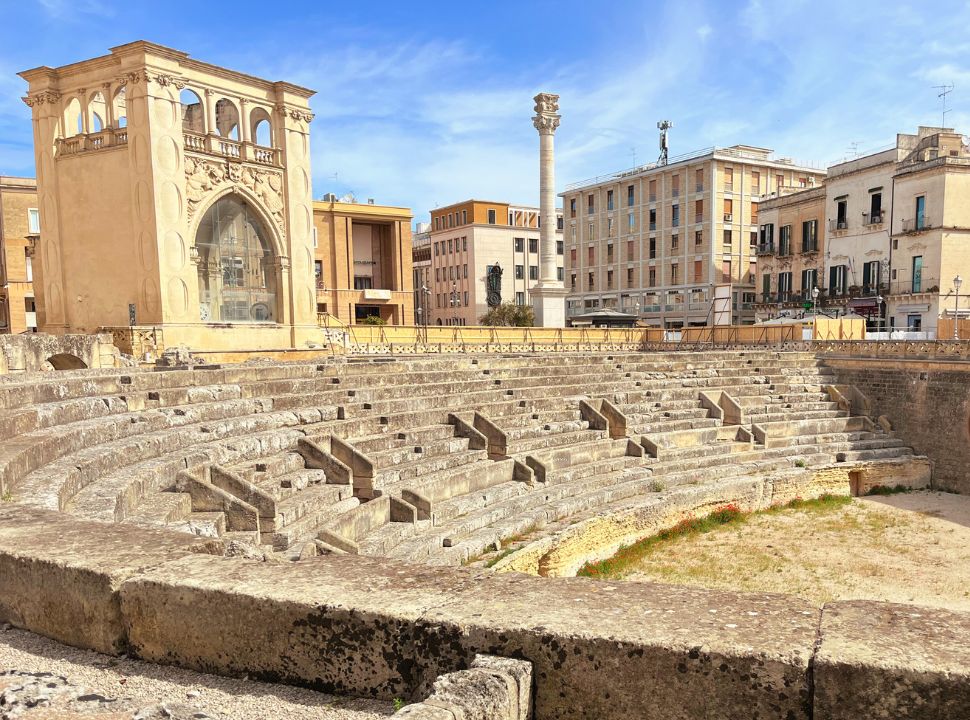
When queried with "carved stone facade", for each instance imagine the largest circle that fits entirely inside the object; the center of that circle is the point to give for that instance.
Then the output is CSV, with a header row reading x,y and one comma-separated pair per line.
x,y
132,150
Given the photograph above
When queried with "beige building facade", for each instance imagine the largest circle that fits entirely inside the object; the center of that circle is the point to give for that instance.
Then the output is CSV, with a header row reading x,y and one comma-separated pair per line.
x,y
791,253
469,238
175,200
422,272
673,243
19,232
362,261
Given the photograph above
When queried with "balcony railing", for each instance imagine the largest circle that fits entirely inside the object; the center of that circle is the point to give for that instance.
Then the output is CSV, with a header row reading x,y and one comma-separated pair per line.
x,y
912,225
836,225
196,142
876,219
766,249
913,287
809,247
110,137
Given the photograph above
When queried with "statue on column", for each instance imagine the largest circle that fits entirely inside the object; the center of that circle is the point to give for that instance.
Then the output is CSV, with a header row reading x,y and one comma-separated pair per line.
x,y
493,285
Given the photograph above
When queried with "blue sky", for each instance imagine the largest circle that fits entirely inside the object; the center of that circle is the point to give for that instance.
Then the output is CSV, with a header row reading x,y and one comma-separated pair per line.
x,y
427,103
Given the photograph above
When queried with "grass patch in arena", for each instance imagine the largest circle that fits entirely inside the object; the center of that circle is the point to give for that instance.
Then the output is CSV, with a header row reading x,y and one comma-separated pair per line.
x,y
629,557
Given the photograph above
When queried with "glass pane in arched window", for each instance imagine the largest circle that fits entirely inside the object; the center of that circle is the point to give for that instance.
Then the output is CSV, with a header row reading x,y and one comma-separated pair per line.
x,y
237,269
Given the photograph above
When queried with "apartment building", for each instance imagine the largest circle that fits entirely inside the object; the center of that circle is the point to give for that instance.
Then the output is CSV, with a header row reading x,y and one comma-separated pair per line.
x,y
19,232
469,238
672,242
362,261
421,272
791,251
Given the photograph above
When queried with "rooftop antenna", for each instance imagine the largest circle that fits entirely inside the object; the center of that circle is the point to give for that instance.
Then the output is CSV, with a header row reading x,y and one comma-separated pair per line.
x,y
663,126
634,151
854,147
944,91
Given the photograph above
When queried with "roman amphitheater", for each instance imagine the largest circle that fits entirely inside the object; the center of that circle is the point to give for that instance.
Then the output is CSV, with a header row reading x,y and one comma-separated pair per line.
x,y
409,525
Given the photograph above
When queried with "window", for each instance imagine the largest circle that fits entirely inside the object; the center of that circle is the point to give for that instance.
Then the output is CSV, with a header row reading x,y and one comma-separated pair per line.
x,y
572,257
779,182
437,301
810,236
451,219
572,281
875,207
590,204
363,282
674,272
784,240
589,281
699,180
652,277
629,250
920,213
559,274
728,239
436,248
753,239
653,219
465,271
841,213
609,253
629,277
464,244
675,186
520,272
698,270
520,298
318,272
630,222
838,280
698,237
629,196
560,247
754,213
451,273
236,268
870,277
609,227
766,287
728,210
755,182
652,185
533,245
698,211
784,286
589,233
533,272
451,248
675,215
726,271
653,248
918,274
559,225
436,276
728,180
33,221
464,217
609,199
491,216
572,207
609,279
809,281
591,255
674,242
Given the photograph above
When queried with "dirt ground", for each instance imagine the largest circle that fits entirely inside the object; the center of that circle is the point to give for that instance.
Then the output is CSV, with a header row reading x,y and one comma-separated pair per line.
x,y
910,548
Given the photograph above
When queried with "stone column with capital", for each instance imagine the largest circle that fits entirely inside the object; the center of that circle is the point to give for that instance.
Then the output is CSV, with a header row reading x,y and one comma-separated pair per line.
x,y
549,295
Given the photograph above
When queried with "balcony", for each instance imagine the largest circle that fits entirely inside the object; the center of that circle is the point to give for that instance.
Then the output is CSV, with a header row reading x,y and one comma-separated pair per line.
x,y
76,144
728,217
699,187
766,249
876,219
234,149
810,247
838,225
915,225
914,287
784,250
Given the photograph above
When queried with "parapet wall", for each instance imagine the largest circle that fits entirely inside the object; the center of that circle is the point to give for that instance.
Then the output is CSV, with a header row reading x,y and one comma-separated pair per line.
x,y
927,402
375,627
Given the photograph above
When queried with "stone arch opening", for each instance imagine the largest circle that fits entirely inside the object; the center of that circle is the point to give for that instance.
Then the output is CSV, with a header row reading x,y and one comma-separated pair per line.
x,y
237,265
262,127
193,112
227,119
66,361
120,108
73,119
97,112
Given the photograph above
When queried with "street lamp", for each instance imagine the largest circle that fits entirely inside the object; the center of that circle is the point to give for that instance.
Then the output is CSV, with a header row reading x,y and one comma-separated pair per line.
x,y
426,295
815,301
957,282
879,301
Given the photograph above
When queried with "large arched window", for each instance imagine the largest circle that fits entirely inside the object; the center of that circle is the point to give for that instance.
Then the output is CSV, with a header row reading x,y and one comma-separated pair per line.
x,y
193,112
237,269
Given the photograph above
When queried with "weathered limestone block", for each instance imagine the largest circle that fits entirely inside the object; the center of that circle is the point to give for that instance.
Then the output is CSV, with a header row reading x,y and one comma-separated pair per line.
x,y
60,576
520,671
883,660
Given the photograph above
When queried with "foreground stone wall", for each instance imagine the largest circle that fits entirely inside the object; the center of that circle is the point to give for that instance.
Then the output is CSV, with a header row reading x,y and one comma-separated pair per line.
x,y
378,628
927,403
32,352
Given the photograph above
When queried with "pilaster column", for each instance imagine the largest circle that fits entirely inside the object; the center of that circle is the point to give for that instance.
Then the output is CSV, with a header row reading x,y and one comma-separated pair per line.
x,y
244,128
109,106
549,295
210,112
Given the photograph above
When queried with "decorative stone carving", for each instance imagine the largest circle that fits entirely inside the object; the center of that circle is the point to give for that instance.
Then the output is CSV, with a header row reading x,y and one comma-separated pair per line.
x,y
547,117
204,176
166,80
47,96
295,113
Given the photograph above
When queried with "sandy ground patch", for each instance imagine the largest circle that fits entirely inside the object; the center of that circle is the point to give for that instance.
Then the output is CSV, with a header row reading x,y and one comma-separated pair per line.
x,y
909,548
137,684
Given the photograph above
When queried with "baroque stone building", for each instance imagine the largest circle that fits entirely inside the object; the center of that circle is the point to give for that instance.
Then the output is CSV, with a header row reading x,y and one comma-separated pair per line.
x,y
175,199
19,231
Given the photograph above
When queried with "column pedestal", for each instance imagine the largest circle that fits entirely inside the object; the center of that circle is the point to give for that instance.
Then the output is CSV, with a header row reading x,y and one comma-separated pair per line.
x,y
549,304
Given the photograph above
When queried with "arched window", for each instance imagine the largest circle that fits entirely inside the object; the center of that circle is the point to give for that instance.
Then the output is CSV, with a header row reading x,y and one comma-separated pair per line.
x,y
227,119
121,108
262,130
193,112
73,120
237,268
97,112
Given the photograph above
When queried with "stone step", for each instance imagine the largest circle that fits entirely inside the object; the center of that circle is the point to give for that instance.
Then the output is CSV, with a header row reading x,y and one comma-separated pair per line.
x,y
308,525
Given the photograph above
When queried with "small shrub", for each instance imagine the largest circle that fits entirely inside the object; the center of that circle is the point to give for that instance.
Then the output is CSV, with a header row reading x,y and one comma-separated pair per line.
x,y
373,320
888,490
800,463
6,497
657,486
398,704
499,556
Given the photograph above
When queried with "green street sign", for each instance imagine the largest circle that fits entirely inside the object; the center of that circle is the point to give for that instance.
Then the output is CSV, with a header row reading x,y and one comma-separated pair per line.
x,y
807,305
